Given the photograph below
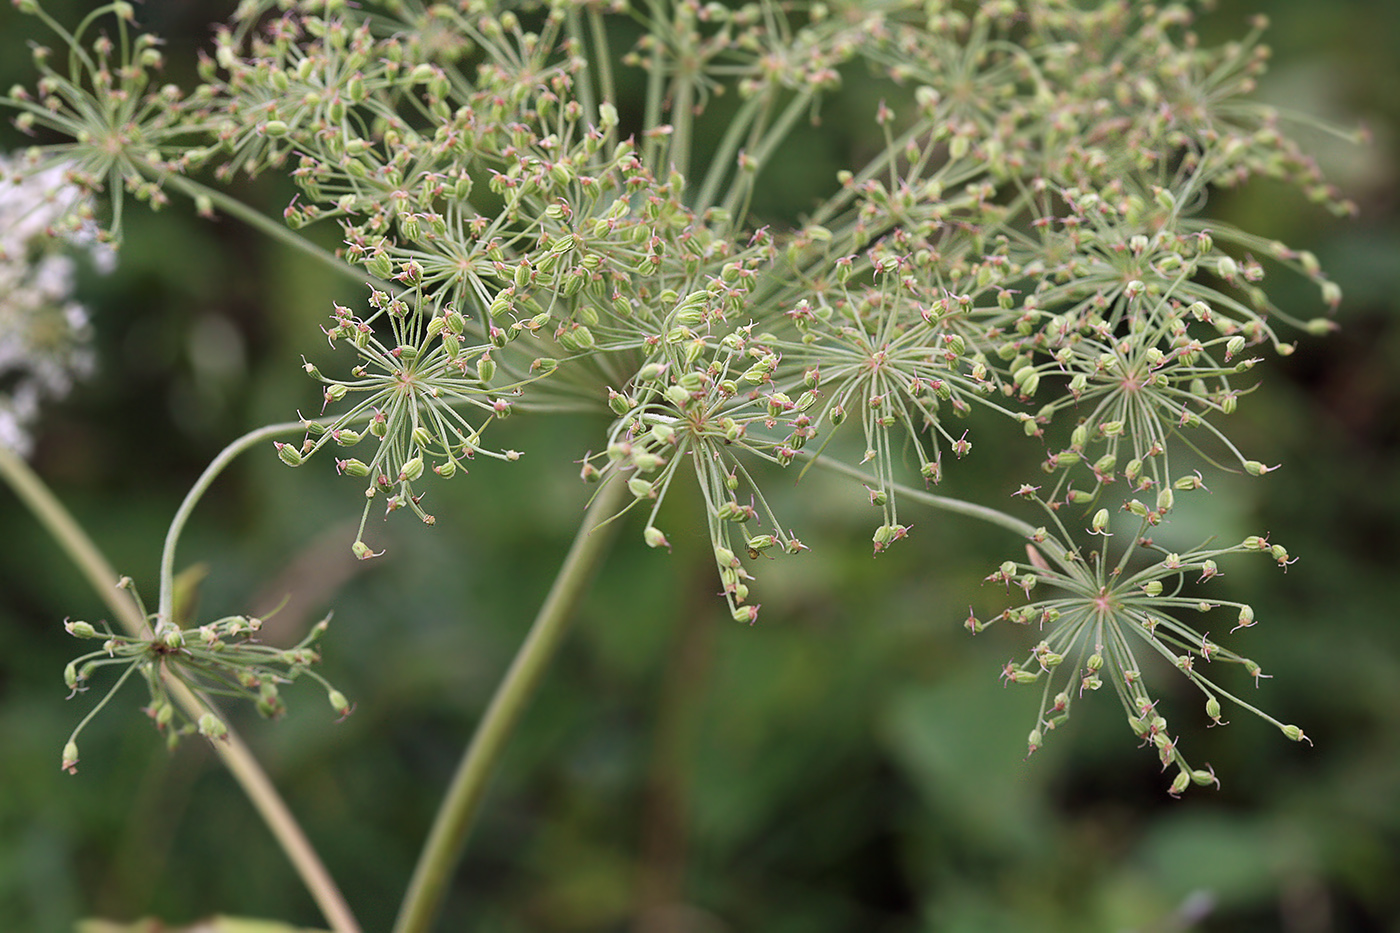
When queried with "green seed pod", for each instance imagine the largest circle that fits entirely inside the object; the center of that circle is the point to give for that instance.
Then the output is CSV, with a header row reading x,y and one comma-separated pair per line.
x,y
353,467
654,537
212,727
81,629
412,469
641,488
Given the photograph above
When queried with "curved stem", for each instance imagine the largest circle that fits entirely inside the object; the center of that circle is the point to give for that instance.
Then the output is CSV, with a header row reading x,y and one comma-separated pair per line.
x,y
464,795
960,506
231,751
201,485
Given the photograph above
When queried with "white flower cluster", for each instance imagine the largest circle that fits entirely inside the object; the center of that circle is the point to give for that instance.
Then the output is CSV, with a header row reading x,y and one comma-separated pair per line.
x,y
44,333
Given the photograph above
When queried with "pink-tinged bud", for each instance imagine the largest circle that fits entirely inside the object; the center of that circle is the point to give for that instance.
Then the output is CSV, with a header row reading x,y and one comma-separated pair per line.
x,y
1189,483
289,454
81,629
339,703
1205,776
1180,783
1255,543
362,551
352,467
446,470
1246,618
1099,524
589,473
747,614
654,537
210,726
1331,293
70,758
761,542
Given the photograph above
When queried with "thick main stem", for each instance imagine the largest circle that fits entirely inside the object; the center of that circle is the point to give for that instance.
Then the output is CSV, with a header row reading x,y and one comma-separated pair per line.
x,y
448,836
232,752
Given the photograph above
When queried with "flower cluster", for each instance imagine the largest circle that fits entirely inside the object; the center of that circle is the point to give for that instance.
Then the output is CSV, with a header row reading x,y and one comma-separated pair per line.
x,y
219,658
1027,243
44,333
1106,618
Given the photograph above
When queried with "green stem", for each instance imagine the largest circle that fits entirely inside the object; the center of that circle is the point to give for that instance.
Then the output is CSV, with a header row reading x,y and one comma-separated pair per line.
x,y
448,836
946,504
279,232
201,485
232,752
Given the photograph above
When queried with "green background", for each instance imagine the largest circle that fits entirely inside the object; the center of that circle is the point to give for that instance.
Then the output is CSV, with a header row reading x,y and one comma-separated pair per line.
x,y
850,763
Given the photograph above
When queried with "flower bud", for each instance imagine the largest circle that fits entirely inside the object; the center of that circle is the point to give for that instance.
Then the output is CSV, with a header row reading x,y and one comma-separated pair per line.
x,y
1246,617
1099,524
339,703
1180,783
70,758
362,551
212,727
80,630
288,454
641,488
1296,734
747,614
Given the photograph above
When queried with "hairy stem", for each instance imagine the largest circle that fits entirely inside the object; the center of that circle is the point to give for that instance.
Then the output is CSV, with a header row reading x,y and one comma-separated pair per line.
x,y
232,752
464,795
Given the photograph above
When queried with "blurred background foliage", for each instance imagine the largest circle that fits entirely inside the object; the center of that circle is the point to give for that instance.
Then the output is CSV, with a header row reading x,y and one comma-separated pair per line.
x,y
852,763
